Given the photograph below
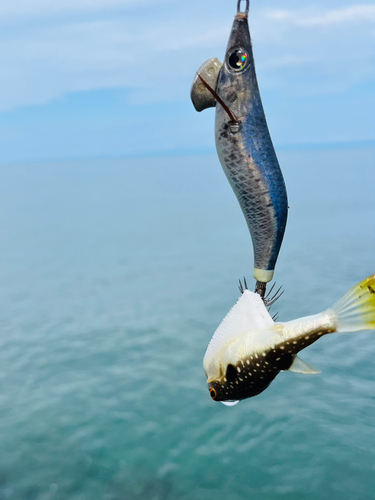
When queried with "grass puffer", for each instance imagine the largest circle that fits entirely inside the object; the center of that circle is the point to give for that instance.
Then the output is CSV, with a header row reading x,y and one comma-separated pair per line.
x,y
248,349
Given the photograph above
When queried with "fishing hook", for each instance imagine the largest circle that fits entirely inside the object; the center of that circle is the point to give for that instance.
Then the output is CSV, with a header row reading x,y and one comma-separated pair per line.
x,y
242,288
275,316
246,11
268,300
260,288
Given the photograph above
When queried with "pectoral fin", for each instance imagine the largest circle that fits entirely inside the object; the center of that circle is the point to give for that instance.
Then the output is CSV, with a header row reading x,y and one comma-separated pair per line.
x,y
300,366
200,96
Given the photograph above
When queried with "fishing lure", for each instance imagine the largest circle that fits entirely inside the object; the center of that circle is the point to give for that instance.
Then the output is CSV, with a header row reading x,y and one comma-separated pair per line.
x,y
244,145
248,350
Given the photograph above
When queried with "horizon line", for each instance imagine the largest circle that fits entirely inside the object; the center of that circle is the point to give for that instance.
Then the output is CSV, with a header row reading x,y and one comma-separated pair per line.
x,y
313,146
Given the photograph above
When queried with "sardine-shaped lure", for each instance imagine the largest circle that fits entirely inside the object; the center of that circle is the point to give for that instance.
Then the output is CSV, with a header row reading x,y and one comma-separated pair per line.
x,y
244,145
248,350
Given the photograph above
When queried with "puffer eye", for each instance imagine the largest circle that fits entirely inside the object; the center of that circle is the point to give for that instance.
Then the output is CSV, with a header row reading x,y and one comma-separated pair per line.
x,y
237,59
212,393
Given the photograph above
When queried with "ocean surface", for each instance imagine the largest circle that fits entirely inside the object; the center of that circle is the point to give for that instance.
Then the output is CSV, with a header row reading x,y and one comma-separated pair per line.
x,y
113,277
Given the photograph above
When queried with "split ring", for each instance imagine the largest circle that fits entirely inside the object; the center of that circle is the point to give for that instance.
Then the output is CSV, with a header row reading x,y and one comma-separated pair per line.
x,y
246,11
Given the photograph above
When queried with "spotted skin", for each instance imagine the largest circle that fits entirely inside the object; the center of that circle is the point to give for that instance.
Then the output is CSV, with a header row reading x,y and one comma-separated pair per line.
x,y
253,375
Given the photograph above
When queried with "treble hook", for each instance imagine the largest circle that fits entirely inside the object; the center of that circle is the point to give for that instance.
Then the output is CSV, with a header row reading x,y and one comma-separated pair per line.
x,y
246,11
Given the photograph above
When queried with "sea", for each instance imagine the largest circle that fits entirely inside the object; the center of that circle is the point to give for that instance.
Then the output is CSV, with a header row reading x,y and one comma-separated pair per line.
x,y
114,274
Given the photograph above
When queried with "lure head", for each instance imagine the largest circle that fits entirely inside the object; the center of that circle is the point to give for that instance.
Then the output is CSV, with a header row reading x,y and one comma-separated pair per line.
x,y
236,61
237,80
212,73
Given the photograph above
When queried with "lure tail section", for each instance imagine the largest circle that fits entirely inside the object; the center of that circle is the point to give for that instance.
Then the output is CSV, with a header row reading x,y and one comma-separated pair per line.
x,y
356,309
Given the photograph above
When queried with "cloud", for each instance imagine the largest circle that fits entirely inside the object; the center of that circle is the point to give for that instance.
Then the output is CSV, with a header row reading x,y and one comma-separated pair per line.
x,y
20,8
155,51
355,14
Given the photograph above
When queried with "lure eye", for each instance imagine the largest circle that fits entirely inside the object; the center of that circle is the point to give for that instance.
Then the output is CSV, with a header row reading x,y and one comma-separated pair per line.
x,y
237,59
212,393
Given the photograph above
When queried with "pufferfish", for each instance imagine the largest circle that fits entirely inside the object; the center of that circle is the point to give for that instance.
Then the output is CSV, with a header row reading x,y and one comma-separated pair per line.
x,y
248,349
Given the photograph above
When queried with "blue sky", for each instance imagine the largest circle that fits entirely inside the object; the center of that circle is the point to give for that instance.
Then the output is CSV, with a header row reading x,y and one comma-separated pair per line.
x,y
111,78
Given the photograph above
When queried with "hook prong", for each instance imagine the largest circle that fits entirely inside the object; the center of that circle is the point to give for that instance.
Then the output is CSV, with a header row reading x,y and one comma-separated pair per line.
x,y
271,298
270,290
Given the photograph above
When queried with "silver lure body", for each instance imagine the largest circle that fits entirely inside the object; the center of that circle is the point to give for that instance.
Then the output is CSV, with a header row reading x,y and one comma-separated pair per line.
x,y
246,151
248,157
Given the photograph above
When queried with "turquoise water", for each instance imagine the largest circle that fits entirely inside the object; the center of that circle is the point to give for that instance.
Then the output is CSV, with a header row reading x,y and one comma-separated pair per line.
x,y
114,275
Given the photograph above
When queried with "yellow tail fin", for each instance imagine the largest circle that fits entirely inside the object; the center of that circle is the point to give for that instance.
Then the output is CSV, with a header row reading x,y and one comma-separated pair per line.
x,y
356,309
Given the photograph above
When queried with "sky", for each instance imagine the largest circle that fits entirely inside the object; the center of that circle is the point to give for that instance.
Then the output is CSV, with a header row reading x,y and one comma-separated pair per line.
x,y
111,78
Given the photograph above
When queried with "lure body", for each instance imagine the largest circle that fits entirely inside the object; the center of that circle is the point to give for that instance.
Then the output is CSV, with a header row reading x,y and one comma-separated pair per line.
x,y
245,148
248,157
249,350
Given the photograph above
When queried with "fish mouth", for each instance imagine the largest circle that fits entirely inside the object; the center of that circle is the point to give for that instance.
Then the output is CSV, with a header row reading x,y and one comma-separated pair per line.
x,y
215,397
